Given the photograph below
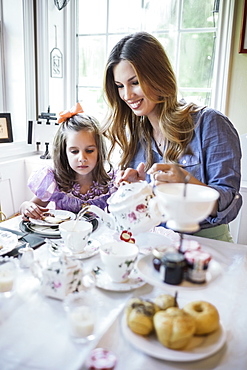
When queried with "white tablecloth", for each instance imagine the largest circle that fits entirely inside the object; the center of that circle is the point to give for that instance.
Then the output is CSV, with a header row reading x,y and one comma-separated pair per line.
x,y
34,335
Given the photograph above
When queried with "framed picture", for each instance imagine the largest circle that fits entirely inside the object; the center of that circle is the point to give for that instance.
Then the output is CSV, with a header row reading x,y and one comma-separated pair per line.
x,y
6,135
243,35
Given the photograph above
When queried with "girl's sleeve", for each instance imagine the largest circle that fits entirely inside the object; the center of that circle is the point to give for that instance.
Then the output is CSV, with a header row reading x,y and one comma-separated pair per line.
x,y
43,184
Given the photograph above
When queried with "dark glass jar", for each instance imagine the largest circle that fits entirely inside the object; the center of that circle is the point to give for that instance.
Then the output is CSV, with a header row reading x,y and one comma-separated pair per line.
x,y
158,254
172,268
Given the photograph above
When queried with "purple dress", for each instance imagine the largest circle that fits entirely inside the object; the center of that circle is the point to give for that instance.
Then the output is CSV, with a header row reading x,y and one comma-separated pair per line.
x,y
43,184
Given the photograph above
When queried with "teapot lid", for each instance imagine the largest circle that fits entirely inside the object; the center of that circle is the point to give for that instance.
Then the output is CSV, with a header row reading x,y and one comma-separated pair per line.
x,y
127,191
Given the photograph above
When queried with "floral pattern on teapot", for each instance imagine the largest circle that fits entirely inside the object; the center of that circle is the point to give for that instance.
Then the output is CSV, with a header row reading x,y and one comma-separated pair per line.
x,y
129,209
60,278
133,217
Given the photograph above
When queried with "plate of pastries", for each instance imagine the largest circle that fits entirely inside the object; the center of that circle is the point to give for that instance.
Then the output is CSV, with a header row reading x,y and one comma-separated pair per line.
x,y
49,225
162,329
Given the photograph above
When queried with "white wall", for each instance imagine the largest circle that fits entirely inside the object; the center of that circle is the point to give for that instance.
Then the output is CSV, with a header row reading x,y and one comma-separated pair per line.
x,y
12,186
237,89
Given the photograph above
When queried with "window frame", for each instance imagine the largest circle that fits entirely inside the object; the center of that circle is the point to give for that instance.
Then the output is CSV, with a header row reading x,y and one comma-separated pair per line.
x,y
223,44
37,88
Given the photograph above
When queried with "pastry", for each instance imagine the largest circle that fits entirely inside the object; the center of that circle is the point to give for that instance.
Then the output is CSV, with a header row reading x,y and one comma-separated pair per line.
x,y
52,219
139,315
132,303
174,327
164,301
205,314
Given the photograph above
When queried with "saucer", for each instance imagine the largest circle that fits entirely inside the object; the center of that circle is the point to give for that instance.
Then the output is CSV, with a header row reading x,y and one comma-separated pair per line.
x,y
57,247
104,281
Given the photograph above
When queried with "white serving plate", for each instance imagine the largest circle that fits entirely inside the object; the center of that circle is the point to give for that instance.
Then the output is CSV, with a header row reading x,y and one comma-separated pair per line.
x,y
198,348
150,275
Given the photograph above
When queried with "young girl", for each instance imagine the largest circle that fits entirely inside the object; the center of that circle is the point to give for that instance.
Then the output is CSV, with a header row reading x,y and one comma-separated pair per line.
x,y
78,176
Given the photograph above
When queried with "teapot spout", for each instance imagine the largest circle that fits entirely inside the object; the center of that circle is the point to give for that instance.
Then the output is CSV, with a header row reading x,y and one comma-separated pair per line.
x,y
104,217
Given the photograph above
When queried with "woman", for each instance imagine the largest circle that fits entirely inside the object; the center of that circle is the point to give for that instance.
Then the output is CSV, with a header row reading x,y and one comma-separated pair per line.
x,y
170,139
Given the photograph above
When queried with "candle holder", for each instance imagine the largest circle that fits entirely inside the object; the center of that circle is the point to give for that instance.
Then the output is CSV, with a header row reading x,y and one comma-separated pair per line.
x,y
82,316
46,154
8,273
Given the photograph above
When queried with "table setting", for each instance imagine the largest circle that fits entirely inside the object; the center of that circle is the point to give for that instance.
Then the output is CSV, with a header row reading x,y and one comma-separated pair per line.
x,y
68,298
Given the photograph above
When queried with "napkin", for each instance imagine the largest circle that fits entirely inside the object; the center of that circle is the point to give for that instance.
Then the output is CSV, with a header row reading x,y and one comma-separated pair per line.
x,y
33,240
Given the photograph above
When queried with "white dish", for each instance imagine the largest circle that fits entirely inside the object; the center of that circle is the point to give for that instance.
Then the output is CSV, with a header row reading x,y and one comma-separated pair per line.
x,y
90,250
61,214
199,347
8,242
44,230
104,281
152,276
148,241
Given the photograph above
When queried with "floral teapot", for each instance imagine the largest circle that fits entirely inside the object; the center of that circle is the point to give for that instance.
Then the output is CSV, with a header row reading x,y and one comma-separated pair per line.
x,y
59,278
129,209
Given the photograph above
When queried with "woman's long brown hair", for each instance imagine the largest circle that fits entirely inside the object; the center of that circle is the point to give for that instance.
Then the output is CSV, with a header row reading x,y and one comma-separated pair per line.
x,y
158,82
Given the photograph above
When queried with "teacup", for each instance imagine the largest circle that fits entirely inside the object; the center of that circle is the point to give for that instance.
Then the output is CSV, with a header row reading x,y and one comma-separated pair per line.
x,y
119,259
75,234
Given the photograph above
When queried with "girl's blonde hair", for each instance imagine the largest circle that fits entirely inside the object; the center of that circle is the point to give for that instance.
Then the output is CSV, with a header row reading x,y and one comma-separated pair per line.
x,y
64,174
158,82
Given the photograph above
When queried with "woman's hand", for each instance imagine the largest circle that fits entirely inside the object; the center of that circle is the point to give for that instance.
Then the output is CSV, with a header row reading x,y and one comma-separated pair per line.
x,y
174,173
168,173
30,209
131,175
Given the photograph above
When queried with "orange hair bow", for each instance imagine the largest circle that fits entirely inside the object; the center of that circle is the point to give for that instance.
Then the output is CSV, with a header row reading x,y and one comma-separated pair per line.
x,y
70,113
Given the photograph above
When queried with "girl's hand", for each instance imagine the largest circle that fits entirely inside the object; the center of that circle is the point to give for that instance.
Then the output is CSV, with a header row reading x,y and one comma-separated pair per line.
x,y
131,175
30,209
167,173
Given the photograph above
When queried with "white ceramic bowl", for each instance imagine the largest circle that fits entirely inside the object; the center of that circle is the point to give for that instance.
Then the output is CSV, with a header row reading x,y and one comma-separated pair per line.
x,y
183,213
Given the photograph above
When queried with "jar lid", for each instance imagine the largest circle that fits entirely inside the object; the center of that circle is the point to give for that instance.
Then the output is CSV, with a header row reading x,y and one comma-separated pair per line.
x,y
199,255
171,259
101,358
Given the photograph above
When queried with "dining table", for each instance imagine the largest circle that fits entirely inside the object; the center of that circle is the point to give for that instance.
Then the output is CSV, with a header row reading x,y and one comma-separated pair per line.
x,y
34,329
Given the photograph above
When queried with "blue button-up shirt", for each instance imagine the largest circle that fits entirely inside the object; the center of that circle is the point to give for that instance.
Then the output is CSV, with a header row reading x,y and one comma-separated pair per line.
x,y
215,161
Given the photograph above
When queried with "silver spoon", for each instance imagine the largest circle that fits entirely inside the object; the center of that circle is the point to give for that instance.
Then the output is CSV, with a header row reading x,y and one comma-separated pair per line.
x,y
186,180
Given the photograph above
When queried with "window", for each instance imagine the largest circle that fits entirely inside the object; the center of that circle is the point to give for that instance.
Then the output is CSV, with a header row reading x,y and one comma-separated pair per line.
x,y
17,75
196,34
1,64
191,32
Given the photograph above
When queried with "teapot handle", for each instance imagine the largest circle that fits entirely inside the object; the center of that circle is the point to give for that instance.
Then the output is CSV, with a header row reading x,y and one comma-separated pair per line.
x,y
104,217
155,209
